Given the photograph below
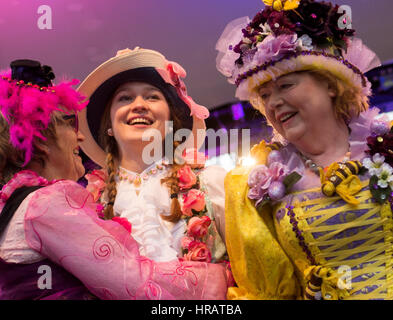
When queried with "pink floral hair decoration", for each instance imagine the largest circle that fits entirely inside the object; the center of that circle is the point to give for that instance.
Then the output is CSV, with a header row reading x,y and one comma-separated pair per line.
x,y
173,74
27,108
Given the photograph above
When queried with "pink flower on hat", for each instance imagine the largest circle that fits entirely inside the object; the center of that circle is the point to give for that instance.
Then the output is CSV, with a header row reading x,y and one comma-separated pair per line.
x,y
274,48
176,72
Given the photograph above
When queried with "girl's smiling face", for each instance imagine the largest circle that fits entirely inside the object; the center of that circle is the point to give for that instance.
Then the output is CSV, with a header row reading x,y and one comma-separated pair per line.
x,y
135,108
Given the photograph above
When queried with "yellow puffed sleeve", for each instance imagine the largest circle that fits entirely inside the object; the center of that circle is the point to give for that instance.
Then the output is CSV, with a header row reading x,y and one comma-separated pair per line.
x,y
260,267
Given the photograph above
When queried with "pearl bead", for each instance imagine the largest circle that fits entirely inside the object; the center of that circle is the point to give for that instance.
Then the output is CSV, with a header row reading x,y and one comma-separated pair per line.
x,y
274,156
308,163
276,190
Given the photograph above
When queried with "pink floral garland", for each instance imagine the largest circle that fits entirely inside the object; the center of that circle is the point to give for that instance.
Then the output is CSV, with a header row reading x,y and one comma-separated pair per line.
x,y
194,210
197,241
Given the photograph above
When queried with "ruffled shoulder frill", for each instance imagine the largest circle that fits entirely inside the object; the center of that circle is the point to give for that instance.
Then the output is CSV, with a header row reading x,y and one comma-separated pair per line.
x,y
23,178
361,128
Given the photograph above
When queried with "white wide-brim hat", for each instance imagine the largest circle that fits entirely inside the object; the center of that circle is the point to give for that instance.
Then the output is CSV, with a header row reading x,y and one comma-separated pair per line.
x,y
140,65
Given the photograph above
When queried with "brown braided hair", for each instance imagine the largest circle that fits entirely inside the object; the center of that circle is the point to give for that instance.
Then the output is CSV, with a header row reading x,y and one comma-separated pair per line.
x,y
172,182
110,187
110,146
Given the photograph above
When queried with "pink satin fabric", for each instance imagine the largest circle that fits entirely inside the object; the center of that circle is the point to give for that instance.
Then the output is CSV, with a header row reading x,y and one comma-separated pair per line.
x,y
61,223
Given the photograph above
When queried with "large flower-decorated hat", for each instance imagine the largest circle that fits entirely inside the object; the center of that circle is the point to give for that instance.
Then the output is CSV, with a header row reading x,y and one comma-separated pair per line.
x,y
140,65
289,36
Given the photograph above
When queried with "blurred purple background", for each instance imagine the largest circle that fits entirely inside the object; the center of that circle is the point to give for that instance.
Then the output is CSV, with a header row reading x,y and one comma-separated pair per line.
x,y
87,32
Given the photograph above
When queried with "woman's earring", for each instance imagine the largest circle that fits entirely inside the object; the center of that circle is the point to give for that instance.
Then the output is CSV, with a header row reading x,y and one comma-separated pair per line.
x,y
110,132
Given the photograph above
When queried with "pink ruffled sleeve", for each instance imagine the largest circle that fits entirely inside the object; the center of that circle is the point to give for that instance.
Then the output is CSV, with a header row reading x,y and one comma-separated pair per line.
x,y
61,224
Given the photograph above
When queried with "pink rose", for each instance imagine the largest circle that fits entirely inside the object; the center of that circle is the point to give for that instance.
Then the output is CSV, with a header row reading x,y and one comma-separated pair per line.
x,y
197,227
185,242
187,177
261,177
278,171
193,200
96,183
194,158
198,251
124,222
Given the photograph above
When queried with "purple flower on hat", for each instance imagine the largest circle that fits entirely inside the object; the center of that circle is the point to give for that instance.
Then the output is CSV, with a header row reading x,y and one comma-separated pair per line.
x,y
315,18
261,17
274,48
280,24
320,21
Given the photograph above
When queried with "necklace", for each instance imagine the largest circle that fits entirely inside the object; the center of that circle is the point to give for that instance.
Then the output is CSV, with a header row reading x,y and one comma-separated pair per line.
x,y
136,178
312,166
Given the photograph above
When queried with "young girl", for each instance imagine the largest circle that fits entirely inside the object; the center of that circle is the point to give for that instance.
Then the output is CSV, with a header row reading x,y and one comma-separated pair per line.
x,y
175,206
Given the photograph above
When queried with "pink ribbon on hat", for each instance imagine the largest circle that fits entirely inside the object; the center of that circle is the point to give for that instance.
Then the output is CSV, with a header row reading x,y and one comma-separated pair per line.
x,y
176,72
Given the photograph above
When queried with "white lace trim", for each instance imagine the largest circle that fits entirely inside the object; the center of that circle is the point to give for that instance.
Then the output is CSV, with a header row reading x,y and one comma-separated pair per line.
x,y
143,211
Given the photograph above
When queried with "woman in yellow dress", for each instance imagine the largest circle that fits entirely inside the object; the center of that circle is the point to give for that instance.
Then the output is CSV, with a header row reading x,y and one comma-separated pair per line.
x,y
312,219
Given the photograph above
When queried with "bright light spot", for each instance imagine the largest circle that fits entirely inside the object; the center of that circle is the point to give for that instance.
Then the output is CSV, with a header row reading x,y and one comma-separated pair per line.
x,y
227,161
247,161
388,114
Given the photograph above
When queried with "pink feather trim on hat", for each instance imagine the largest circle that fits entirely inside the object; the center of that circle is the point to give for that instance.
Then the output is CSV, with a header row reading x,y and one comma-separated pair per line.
x,y
27,109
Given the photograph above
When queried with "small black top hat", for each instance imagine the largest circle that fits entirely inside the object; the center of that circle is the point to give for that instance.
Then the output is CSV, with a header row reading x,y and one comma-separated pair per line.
x,y
32,71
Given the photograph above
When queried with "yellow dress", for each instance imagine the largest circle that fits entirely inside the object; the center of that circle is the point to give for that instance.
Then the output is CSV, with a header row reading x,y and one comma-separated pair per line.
x,y
274,253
